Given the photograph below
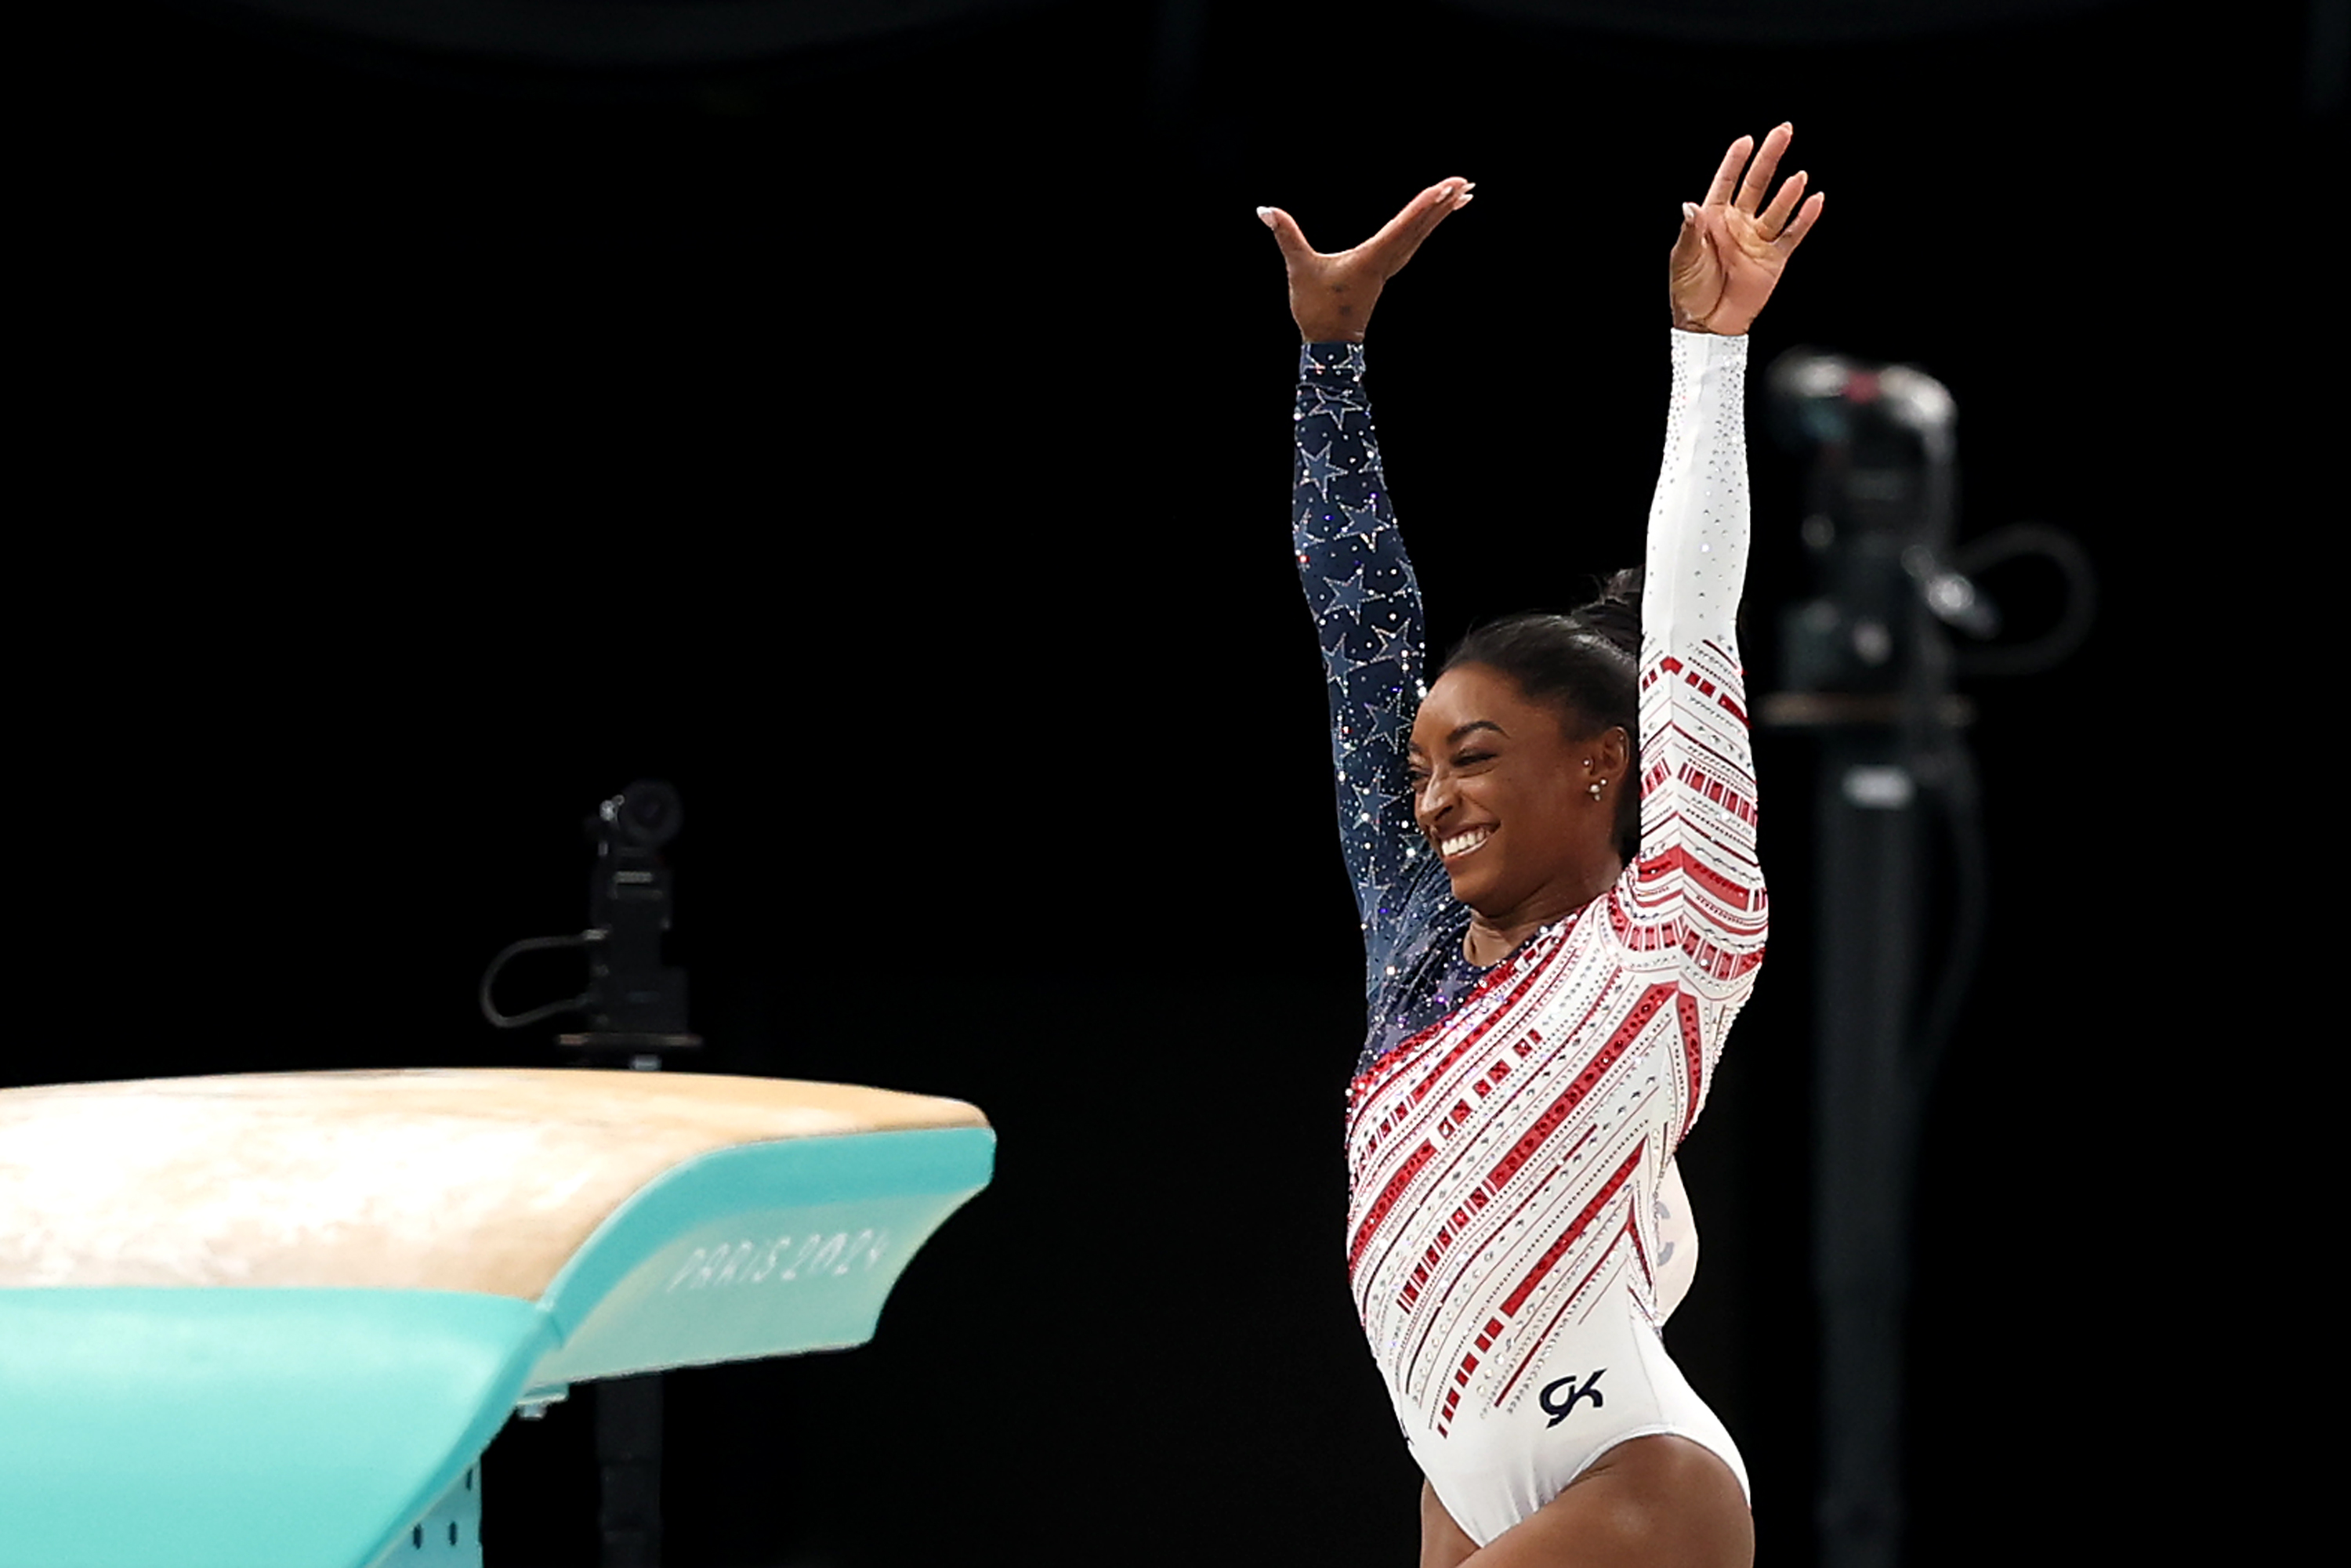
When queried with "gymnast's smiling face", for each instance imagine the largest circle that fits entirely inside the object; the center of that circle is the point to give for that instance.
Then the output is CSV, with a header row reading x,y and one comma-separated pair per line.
x,y
1502,791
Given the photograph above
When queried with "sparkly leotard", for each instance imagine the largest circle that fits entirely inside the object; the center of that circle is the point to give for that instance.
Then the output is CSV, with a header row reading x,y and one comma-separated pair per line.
x,y
1508,1128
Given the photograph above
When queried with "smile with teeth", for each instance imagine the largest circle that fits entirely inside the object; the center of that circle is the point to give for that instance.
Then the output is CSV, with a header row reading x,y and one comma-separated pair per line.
x,y
1463,843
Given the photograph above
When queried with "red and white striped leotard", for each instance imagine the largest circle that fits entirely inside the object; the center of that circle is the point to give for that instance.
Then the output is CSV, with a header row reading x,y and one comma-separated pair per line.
x,y
1504,1162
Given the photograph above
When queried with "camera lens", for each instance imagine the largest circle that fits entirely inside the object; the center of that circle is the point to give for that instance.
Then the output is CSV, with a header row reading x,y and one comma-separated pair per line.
x,y
648,814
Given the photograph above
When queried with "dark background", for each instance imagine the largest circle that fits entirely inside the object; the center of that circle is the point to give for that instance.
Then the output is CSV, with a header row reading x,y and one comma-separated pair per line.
x,y
885,441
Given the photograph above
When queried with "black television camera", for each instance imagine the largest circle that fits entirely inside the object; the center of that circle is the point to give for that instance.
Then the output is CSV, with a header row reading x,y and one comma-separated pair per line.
x,y
635,1004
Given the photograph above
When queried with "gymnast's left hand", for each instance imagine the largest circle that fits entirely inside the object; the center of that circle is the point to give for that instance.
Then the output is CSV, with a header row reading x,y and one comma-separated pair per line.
x,y
1727,257
1331,296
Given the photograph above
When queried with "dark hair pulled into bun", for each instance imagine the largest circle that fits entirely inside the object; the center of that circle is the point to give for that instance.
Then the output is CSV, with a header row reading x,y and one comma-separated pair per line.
x,y
1615,613
1586,663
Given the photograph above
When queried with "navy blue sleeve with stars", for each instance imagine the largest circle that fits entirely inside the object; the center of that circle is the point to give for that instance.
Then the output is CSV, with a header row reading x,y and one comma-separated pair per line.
x,y
1366,604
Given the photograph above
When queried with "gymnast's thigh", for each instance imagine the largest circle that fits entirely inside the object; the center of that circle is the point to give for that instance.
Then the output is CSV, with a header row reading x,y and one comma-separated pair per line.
x,y
1442,1542
1659,1501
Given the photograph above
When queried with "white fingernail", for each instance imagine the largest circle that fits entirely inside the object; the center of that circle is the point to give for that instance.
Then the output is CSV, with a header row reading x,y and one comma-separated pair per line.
x,y
1689,211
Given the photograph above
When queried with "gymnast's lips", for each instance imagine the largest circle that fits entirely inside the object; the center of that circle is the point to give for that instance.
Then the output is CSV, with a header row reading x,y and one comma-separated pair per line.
x,y
1464,843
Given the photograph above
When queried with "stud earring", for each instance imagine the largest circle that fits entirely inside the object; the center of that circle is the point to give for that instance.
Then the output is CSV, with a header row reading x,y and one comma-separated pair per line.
x,y
1596,784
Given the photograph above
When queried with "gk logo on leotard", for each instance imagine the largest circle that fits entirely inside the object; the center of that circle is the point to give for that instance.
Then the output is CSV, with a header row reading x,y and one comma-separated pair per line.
x,y
1591,1390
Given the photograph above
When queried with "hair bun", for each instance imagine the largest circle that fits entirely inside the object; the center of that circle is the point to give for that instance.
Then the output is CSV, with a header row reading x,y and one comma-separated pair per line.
x,y
1615,615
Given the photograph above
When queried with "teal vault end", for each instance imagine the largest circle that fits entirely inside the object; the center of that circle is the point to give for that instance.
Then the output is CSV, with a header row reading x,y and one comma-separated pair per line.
x,y
299,1427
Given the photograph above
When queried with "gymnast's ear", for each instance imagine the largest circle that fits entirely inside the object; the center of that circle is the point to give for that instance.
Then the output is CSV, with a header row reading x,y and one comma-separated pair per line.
x,y
1611,750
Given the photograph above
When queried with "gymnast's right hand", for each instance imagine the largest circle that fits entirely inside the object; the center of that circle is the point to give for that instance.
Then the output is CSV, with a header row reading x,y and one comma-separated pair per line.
x,y
1331,297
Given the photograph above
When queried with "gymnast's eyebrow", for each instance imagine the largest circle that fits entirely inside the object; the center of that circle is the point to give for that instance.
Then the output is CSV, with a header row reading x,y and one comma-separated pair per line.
x,y
1475,723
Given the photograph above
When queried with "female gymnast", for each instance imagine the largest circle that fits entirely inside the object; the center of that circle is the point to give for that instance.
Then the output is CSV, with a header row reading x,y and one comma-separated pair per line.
x,y
1553,857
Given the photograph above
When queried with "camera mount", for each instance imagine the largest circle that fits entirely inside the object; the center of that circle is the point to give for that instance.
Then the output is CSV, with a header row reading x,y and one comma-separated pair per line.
x,y
635,1004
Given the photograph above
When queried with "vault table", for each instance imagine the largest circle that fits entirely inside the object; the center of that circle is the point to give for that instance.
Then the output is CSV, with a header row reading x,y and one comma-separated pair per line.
x,y
276,1319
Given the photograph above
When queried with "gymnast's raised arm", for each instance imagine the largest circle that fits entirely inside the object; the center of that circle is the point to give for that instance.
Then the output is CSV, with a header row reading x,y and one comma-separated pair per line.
x,y
1697,863
1359,582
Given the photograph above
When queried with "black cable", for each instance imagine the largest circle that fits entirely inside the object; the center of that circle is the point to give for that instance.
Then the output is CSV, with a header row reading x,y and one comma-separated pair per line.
x,y
1953,783
512,950
2054,646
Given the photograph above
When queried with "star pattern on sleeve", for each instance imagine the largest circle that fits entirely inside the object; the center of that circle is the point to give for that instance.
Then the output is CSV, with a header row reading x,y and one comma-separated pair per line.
x,y
1346,595
1364,523
1385,724
1315,468
1371,802
1393,644
1365,601
1334,407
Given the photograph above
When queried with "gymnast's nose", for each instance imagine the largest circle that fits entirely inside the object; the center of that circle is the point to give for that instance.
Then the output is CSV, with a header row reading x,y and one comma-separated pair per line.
x,y
1433,800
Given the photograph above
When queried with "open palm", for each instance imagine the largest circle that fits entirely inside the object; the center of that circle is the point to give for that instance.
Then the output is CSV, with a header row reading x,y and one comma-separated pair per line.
x,y
1332,293
1729,255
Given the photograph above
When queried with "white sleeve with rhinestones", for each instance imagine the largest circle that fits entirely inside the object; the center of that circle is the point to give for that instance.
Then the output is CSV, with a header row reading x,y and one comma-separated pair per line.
x,y
1697,864
1697,520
